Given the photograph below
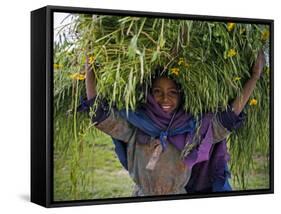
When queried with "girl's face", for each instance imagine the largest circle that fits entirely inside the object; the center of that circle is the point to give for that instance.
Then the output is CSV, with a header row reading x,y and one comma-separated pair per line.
x,y
166,94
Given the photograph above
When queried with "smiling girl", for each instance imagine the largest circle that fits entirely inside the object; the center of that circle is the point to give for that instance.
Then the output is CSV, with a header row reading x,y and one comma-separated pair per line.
x,y
165,149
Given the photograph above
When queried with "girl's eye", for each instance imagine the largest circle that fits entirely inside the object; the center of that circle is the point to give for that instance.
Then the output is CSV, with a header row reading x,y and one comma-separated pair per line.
x,y
156,92
173,93
170,93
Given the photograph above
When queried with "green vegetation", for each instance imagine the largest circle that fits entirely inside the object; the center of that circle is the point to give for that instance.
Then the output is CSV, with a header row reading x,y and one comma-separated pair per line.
x,y
211,61
88,169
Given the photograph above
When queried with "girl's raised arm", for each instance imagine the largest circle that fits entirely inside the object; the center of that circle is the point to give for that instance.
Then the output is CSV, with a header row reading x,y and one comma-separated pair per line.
x,y
240,101
90,81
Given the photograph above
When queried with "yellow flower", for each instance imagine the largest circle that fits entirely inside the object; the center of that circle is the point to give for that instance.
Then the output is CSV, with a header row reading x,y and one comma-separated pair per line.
x,y
82,77
253,102
181,61
77,76
237,78
230,26
175,71
57,66
231,53
91,59
265,35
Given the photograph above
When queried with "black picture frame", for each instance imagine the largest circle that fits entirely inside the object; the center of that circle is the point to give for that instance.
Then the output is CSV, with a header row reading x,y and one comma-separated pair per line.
x,y
42,103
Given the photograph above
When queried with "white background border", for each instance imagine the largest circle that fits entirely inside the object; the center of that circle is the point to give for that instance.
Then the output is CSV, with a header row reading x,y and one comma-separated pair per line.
x,y
15,105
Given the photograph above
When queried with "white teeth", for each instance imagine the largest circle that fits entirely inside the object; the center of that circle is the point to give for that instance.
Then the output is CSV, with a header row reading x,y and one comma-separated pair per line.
x,y
166,107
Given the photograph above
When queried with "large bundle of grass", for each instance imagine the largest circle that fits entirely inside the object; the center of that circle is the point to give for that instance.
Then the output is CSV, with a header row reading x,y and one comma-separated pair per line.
x,y
211,61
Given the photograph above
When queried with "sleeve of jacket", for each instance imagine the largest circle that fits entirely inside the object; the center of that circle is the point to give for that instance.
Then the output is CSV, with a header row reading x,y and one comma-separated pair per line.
x,y
224,122
107,120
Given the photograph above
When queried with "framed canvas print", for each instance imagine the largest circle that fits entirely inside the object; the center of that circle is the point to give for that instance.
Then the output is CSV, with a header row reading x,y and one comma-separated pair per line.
x,y
130,106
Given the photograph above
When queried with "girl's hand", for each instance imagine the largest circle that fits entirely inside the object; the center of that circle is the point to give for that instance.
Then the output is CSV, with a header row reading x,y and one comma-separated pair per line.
x,y
90,80
258,66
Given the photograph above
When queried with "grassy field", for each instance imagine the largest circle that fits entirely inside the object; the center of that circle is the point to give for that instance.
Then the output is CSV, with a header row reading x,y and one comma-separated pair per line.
x,y
258,177
90,170
97,172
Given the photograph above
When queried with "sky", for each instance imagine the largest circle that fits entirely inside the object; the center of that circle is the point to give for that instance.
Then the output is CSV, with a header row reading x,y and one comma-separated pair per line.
x,y
60,19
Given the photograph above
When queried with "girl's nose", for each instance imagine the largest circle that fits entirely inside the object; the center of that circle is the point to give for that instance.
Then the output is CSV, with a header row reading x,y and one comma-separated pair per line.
x,y
165,97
